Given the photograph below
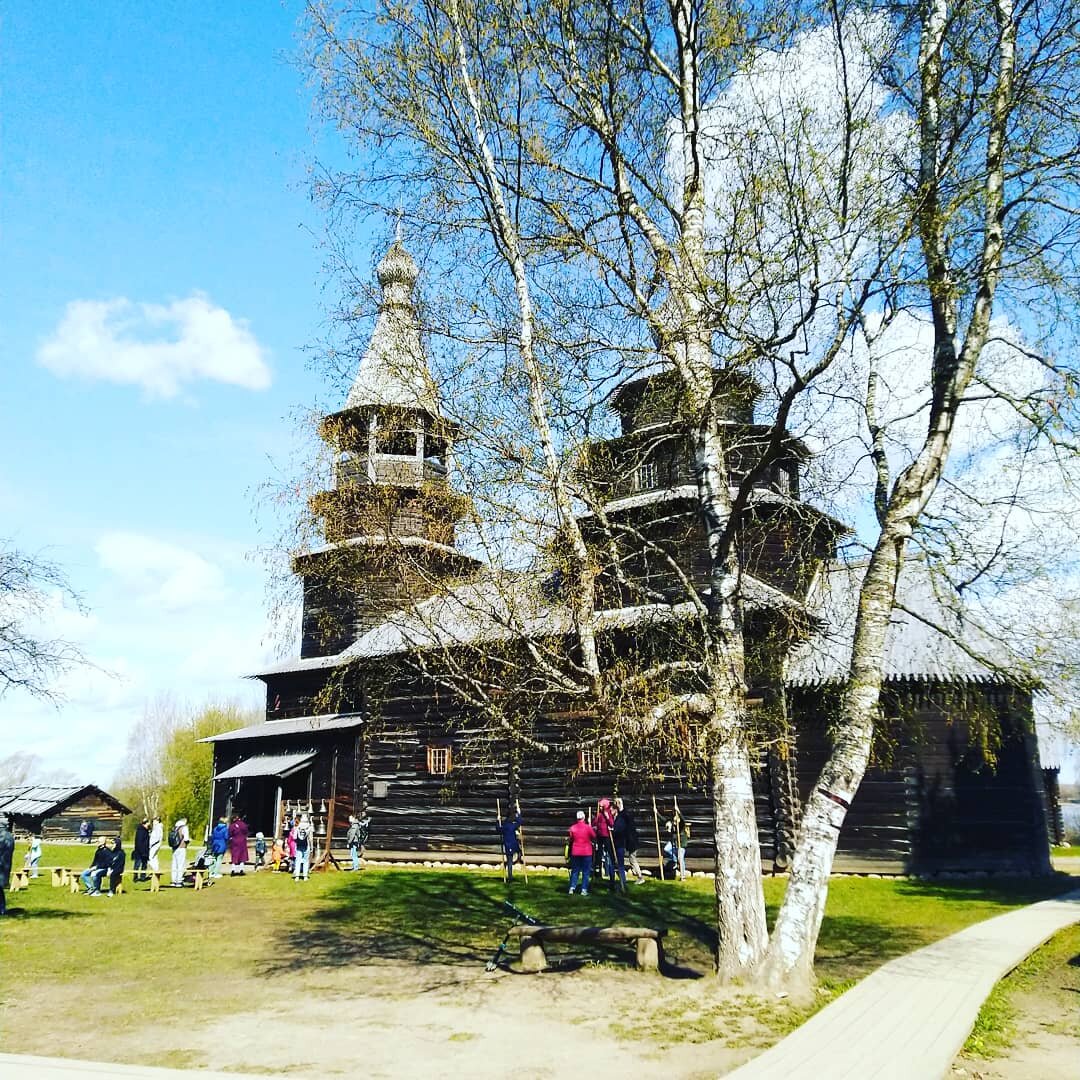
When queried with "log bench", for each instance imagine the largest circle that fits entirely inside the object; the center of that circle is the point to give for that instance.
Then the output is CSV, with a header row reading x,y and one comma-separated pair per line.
x,y
533,939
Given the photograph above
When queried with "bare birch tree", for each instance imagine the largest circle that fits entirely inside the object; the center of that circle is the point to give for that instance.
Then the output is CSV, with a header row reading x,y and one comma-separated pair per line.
x,y
992,197
31,658
612,185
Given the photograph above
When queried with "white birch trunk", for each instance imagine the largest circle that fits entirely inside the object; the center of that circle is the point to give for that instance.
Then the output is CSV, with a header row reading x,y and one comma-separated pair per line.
x,y
790,957
742,933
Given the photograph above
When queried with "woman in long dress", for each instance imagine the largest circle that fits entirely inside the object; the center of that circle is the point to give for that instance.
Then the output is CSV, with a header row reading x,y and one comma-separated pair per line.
x,y
238,845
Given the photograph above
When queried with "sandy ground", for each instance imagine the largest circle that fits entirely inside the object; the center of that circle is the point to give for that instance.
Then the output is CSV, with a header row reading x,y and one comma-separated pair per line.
x,y
396,1021
1043,1055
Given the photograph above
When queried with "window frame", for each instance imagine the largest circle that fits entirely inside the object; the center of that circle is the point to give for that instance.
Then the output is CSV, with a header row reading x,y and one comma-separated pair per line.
x,y
590,760
440,760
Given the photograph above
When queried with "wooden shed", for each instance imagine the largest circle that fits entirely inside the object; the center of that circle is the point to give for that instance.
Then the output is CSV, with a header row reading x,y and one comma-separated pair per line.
x,y
56,812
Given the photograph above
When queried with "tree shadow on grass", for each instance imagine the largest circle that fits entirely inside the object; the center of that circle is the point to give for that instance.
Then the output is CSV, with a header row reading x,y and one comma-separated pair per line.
x,y
1004,891
457,919
43,913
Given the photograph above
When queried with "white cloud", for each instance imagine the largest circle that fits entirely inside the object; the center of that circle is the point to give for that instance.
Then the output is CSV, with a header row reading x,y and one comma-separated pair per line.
x,y
160,347
159,575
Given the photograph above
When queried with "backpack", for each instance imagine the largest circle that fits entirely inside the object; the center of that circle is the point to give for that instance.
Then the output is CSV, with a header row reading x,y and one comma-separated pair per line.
x,y
175,839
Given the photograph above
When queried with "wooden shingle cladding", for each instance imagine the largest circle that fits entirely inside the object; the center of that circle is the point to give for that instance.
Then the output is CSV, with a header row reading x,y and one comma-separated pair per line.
x,y
56,812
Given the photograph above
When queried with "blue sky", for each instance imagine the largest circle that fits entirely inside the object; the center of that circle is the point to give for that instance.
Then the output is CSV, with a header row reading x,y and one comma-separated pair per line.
x,y
161,278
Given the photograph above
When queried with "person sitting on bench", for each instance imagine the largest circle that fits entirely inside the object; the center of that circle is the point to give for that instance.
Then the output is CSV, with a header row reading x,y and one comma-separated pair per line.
x,y
116,865
91,877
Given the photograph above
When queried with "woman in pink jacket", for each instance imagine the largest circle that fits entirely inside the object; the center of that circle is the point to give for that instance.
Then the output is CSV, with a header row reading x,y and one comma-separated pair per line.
x,y
582,837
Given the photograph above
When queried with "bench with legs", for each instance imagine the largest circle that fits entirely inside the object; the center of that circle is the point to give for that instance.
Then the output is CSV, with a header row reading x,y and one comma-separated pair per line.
x,y
154,876
533,939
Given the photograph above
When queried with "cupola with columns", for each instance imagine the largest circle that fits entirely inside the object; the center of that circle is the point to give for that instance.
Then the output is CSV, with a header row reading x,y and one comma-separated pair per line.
x,y
389,519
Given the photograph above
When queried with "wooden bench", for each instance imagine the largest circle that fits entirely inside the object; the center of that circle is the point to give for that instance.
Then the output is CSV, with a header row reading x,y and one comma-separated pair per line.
x,y
20,879
533,939
75,884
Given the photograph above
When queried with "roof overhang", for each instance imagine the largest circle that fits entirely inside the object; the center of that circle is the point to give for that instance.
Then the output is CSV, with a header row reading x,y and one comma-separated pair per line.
x,y
277,765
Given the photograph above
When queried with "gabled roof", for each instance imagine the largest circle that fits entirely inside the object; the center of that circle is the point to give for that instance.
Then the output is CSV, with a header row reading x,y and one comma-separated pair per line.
x,y
926,642
502,606
44,800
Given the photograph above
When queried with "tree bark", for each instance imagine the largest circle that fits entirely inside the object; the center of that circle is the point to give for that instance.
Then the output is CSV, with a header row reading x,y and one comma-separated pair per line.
x,y
740,901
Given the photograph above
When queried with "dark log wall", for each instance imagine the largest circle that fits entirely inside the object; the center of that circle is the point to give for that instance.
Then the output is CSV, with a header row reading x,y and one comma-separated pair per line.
x,y
1055,819
931,802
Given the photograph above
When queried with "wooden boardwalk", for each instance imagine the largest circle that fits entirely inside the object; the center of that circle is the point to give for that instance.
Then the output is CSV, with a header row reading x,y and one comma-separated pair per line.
x,y
909,1019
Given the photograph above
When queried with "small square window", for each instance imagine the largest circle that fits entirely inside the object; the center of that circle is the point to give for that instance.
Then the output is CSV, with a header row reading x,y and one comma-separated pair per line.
x,y
438,760
589,760
646,476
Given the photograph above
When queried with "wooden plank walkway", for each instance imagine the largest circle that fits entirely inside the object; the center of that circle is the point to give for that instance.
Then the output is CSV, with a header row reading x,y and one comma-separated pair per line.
x,y
909,1019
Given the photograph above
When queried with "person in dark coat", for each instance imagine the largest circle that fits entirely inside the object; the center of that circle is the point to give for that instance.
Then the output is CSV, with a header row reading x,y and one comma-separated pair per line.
x,y
117,860
7,850
140,853
92,876
618,839
632,842
511,842
238,845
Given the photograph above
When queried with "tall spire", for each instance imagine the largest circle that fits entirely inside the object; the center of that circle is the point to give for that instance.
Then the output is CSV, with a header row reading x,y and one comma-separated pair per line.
x,y
394,372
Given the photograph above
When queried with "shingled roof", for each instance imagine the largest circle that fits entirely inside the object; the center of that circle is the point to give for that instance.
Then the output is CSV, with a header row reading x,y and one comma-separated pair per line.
x,y
501,606
44,800
393,372
929,641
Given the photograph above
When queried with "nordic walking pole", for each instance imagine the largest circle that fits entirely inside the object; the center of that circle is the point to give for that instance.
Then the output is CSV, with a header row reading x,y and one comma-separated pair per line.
x,y
680,864
502,839
659,852
521,841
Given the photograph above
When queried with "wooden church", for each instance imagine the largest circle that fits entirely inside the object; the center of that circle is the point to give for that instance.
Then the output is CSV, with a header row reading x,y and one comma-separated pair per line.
x,y
358,724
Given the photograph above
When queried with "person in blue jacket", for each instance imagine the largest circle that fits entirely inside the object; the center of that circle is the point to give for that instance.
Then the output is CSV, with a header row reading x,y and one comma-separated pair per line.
x,y
219,841
511,841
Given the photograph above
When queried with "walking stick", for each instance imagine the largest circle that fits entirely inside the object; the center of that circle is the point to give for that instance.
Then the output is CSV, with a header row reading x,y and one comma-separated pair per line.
x,y
680,864
659,851
521,842
502,839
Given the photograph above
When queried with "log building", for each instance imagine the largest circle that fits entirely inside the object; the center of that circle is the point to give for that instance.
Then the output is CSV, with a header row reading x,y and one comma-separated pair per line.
x,y
355,724
55,812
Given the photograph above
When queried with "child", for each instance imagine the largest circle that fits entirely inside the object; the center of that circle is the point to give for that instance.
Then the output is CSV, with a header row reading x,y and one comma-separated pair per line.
x,y
277,853
260,850
33,854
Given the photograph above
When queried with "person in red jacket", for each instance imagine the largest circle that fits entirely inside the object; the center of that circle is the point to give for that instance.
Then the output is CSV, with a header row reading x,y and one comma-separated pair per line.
x,y
604,822
582,838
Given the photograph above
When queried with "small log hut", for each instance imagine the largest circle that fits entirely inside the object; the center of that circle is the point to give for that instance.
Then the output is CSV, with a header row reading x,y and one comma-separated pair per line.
x,y
55,812
395,745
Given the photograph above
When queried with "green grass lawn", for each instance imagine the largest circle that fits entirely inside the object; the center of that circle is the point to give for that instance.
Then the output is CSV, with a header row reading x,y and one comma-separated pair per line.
x,y
1069,851
183,949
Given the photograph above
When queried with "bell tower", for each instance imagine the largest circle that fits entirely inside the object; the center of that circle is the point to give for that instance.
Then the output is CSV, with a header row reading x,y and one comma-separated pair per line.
x,y
389,520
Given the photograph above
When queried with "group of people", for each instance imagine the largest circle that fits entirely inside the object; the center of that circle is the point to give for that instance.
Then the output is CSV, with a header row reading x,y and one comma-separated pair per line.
x,y
605,843
602,843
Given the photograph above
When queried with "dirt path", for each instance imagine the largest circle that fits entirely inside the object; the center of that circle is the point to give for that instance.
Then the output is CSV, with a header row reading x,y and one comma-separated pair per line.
x,y
394,1021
